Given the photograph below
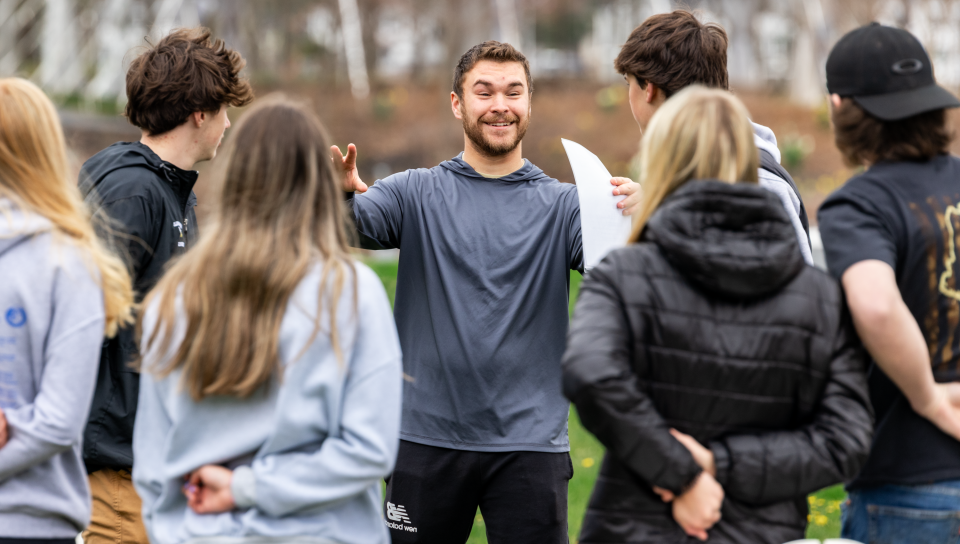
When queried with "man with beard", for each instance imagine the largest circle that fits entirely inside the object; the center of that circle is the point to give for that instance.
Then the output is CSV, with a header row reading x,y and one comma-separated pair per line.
x,y
487,241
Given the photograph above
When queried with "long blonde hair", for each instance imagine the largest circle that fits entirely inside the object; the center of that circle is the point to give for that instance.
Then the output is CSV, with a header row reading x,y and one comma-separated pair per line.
x,y
699,133
34,176
281,212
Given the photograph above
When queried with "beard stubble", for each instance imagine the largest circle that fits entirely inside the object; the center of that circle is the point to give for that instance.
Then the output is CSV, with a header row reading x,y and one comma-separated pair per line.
x,y
474,131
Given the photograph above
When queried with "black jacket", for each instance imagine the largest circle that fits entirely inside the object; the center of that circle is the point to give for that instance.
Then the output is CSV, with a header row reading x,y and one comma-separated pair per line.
x,y
150,206
713,325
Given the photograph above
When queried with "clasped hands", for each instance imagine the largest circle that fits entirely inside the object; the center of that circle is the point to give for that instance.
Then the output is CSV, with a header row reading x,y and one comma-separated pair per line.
x,y
698,508
4,429
208,490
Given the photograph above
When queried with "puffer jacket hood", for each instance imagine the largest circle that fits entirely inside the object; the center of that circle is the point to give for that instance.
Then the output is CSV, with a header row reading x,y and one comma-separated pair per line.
x,y
17,225
732,240
527,172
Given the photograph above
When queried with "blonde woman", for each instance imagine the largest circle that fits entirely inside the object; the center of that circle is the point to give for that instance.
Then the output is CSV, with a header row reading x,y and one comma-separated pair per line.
x,y
60,291
720,371
271,375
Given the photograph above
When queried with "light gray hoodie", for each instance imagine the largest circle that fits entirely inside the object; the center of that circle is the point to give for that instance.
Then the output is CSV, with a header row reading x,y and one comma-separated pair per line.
x,y
51,330
764,138
308,450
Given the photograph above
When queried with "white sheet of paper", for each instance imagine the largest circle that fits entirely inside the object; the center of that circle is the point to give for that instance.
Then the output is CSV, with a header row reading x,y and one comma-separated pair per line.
x,y
603,226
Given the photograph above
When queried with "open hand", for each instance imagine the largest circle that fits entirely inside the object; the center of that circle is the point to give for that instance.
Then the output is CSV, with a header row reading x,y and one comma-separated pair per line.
x,y
633,192
208,490
348,165
4,430
698,509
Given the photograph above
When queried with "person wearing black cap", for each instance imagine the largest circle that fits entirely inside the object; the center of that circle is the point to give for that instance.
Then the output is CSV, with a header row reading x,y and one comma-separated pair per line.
x,y
890,236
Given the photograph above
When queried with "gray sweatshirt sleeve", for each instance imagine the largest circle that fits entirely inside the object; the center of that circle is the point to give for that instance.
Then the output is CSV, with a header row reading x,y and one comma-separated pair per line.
x,y
54,422
363,449
791,203
151,429
378,213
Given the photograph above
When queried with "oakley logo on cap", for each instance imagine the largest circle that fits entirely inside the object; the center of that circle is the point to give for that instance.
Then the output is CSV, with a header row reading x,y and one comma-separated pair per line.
x,y
906,67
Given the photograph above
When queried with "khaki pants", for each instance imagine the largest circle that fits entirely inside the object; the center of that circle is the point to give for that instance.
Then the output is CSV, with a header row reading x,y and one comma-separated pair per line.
x,y
116,510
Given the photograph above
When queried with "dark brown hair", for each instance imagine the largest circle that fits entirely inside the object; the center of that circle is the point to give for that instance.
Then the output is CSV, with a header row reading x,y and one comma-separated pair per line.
x,y
183,73
673,50
863,138
489,50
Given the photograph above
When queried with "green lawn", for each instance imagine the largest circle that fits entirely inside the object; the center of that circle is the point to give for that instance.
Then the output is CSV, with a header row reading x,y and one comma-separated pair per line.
x,y
586,453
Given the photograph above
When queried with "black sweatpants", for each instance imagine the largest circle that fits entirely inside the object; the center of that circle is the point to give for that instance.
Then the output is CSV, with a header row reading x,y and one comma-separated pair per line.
x,y
433,495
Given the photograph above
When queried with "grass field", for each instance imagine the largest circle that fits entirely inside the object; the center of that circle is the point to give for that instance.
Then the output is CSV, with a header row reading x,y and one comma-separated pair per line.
x,y
586,454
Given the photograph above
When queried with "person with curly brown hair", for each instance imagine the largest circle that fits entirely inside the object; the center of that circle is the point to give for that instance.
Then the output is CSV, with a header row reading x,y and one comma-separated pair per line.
x,y
889,234
178,92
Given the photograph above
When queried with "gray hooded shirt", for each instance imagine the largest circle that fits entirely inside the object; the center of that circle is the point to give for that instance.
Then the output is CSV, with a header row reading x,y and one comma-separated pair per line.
x,y
481,304
51,329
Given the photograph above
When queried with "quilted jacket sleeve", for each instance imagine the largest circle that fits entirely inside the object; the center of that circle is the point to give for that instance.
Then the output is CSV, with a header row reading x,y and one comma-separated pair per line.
x,y
769,467
599,380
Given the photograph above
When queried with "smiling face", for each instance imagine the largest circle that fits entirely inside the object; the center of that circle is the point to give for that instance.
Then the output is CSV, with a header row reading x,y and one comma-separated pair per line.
x,y
495,109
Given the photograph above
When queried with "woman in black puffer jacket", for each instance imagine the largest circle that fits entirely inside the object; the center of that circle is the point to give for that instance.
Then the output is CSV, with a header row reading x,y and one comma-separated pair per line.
x,y
708,355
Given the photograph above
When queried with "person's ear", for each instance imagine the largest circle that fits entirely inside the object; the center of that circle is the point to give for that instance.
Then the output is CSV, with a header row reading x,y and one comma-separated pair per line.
x,y
198,117
651,93
455,105
835,100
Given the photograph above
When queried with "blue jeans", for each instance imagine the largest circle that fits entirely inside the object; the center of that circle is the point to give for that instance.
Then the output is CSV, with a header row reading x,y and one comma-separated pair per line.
x,y
904,514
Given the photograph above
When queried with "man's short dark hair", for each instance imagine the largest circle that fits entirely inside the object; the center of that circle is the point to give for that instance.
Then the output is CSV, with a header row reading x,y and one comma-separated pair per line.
x,y
863,138
183,73
489,50
673,50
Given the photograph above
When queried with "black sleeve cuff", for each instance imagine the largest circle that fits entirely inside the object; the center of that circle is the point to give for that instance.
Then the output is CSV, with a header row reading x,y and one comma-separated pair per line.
x,y
721,460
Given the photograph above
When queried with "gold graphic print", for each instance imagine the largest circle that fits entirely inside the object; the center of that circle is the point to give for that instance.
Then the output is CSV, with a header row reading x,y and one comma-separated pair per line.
x,y
951,257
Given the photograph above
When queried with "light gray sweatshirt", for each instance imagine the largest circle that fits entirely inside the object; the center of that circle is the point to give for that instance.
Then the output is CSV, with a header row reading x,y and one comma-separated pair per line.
x,y
51,330
308,451
764,138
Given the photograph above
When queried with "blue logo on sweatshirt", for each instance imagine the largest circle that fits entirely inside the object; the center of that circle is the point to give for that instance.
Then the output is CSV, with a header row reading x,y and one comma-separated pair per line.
x,y
16,317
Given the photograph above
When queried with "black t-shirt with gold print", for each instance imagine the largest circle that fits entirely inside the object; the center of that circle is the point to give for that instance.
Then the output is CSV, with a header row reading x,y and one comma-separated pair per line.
x,y
906,214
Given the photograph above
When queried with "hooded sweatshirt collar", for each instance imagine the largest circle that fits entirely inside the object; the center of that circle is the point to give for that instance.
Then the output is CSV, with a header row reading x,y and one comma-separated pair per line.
x,y
135,154
527,172
17,225
765,139
734,240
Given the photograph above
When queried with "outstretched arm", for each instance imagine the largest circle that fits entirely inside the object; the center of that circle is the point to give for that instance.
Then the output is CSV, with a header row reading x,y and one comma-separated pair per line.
x,y
378,212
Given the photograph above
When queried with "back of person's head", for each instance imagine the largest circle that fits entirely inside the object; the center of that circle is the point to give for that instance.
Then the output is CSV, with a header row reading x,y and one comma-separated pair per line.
x,y
864,139
890,107
280,213
699,134
674,50
493,51
34,176
185,72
